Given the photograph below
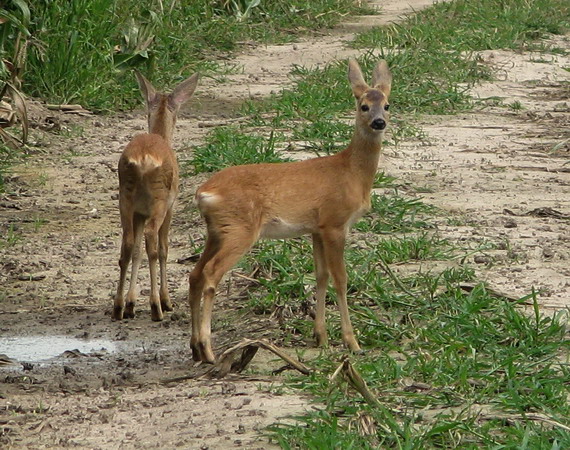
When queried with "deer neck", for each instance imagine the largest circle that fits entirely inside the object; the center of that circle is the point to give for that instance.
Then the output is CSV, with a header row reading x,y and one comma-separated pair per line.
x,y
363,155
162,122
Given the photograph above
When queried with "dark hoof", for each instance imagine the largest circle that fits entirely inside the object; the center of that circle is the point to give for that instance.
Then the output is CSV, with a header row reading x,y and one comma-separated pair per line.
x,y
167,306
118,313
156,313
129,311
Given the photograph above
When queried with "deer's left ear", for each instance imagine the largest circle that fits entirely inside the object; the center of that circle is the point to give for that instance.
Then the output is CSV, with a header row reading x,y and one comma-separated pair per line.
x,y
382,78
182,93
356,79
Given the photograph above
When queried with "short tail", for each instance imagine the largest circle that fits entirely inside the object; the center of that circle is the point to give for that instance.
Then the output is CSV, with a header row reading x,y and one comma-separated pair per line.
x,y
144,165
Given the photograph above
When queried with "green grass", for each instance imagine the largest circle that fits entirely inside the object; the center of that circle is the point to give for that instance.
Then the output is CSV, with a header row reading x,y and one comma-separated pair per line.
x,y
472,26
226,146
434,366
394,212
90,64
435,49
450,367
11,237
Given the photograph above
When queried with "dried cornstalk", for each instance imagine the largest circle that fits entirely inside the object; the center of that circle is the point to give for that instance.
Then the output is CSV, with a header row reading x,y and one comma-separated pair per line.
x,y
356,381
226,362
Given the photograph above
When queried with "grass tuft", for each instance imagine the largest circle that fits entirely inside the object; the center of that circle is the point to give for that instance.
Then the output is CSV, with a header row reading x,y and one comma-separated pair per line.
x,y
226,146
90,64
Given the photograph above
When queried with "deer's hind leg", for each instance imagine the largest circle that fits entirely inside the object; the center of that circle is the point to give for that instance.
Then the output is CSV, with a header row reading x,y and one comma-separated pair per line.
x,y
165,302
138,222
196,286
152,235
232,245
127,245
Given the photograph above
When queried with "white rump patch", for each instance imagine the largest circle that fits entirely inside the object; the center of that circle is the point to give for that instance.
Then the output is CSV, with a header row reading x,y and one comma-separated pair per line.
x,y
206,198
147,161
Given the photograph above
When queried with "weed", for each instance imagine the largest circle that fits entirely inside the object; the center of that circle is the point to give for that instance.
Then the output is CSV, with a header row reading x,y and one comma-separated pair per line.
x,y
226,146
38,223
91,64
393,212
457,349
11,238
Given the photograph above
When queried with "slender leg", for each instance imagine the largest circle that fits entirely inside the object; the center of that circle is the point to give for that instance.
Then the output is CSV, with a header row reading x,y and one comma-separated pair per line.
x,y
334,240
196,286
165,302
231,249
138,226
126,255
151,243
322,276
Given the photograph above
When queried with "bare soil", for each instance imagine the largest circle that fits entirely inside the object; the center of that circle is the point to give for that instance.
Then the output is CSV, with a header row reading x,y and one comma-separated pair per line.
x,y
500,175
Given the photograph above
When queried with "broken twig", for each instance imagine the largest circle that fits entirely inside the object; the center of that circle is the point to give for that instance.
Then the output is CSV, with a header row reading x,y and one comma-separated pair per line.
x,y
356,381
249,347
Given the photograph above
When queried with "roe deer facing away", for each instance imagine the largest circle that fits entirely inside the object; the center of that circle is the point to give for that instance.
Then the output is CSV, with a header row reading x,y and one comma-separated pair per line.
x,y
321,196
148,186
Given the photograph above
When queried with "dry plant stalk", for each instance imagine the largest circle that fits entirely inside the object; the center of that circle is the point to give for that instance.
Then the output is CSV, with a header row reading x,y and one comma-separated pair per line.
x,y
356,381
17,108
249,347
536,417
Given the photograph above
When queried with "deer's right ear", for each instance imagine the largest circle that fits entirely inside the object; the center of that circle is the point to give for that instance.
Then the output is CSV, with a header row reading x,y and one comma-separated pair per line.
x,y
147,89
356,79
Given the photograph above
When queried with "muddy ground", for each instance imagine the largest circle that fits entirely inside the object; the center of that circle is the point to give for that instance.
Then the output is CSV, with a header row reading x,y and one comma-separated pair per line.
x,y
502,174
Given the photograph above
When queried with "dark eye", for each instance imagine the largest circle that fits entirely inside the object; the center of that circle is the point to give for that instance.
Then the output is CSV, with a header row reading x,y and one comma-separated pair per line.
x,y
364,108
386,107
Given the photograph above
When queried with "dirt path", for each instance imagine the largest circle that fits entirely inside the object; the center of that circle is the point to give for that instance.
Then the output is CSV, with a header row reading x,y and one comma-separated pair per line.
x,y
499,172
507,174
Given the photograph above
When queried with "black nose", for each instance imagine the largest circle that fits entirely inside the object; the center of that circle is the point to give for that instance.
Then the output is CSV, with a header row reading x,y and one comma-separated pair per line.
x,y
378,124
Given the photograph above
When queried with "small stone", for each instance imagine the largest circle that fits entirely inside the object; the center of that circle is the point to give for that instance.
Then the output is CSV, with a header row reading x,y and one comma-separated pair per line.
x,y
510,223
481,259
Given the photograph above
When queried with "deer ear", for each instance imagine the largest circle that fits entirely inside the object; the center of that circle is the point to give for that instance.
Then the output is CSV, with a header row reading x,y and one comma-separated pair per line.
x,y
147,89
356,79
382,78
182,93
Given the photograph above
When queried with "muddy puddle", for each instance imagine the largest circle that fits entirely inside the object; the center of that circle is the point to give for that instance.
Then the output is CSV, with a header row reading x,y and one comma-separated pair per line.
x,y
47,349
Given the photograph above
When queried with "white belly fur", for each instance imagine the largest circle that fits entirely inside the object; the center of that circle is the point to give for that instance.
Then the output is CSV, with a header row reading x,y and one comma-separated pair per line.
x,y
280,229
355,217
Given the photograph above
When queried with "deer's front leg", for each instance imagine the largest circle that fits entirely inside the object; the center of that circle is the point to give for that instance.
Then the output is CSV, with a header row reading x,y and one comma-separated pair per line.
x,y
334,241
322,277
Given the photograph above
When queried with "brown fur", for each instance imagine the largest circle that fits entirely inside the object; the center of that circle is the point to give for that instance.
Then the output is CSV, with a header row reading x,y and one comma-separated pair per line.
x,y
148,186
322,197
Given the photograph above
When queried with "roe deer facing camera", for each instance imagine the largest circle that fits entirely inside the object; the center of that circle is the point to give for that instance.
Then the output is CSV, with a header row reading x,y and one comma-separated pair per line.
x,y
321,196
148,186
